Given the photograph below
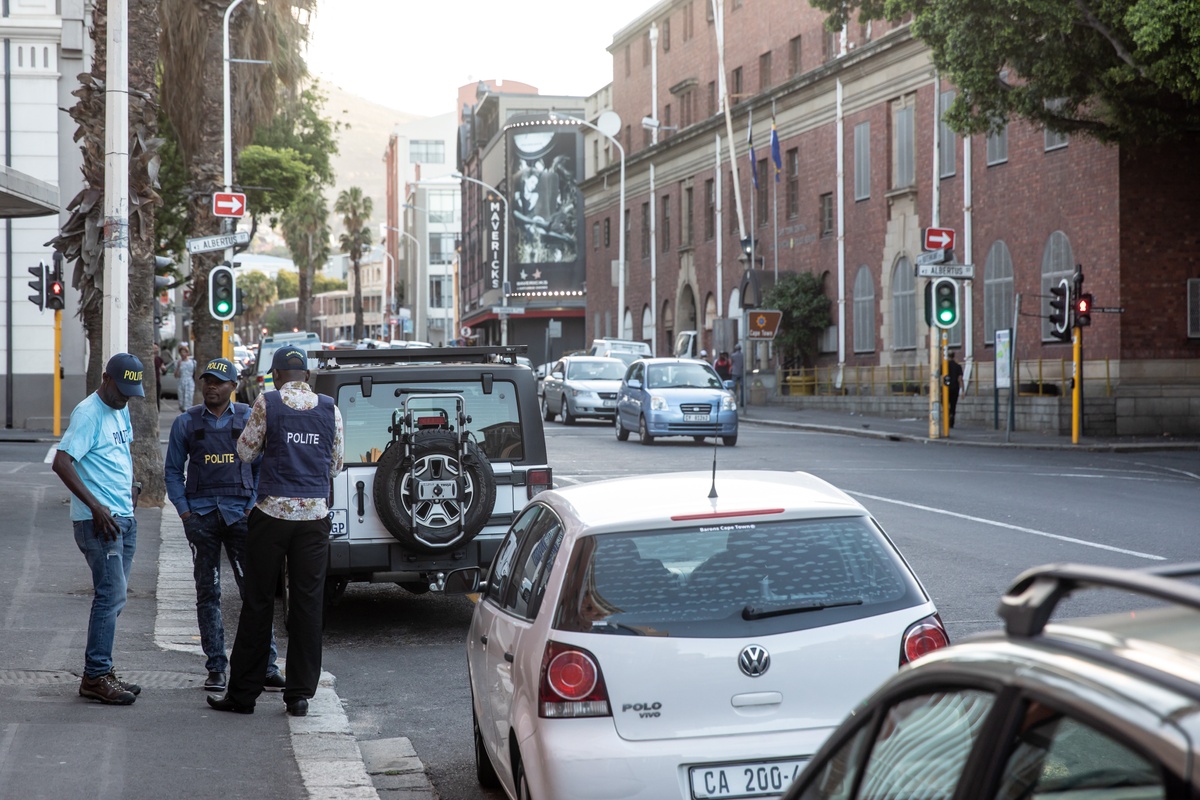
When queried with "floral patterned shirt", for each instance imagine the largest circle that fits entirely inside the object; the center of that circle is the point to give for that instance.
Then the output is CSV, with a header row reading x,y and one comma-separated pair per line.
x,y
297,395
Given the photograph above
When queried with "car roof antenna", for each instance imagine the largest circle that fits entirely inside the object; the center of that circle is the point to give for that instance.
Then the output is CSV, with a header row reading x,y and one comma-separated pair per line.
x,y
712,492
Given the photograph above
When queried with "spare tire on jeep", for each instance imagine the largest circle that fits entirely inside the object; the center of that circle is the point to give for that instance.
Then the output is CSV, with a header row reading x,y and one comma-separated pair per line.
x,y
418,498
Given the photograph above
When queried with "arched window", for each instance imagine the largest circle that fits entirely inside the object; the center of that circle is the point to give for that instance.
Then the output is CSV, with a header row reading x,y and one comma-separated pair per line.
x,y
647,323
1057,263
864,311
904,306
710,311
997,291
626,325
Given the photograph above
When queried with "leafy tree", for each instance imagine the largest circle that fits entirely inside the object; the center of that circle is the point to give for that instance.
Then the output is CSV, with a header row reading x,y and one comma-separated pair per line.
x,y
806,314
306,230
287,284
356,211
299,126
324,283
273,178
1125,71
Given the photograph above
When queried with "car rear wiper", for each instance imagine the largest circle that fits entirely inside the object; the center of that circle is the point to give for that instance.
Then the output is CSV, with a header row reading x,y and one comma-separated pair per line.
x,y
755,612
616,627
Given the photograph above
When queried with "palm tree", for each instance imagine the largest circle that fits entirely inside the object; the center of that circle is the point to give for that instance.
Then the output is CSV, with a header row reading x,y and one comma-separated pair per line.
x,y
306,230
192,97
355,210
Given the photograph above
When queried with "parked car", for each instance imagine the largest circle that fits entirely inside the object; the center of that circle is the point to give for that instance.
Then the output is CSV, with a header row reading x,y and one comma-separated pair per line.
x,y
1106,707
581,386
682,635
256,378
675,397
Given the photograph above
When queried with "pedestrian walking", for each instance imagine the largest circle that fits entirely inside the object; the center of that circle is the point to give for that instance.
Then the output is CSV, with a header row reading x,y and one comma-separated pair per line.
x,y
95,463
724,366
185,370
737,370
954,372
299,435
213,490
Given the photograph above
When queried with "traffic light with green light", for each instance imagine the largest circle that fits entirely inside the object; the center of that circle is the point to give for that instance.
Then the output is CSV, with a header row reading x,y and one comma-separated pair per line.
x,y
944,300
222,292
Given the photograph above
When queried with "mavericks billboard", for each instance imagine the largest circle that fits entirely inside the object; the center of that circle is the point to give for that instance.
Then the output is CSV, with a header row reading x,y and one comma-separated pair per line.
x,y
545,165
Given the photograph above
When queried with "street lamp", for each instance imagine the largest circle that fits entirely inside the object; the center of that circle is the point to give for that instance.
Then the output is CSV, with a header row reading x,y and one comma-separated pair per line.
x,y
416,242
612,124
504,267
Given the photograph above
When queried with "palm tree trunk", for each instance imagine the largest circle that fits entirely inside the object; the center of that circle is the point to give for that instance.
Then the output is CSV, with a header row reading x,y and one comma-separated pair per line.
x,y
358,301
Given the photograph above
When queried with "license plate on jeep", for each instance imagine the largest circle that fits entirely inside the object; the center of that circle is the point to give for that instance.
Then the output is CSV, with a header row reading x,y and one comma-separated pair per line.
x,y
338,526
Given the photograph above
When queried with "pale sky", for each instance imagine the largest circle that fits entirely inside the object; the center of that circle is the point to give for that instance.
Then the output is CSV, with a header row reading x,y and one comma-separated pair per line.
x,y
412,55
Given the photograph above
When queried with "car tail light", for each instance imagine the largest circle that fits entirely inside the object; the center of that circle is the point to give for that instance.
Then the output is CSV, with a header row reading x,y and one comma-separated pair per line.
x,y
923,636
539,480
572,684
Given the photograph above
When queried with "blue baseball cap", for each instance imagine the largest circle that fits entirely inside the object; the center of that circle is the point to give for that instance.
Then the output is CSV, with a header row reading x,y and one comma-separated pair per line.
x,y
289,358
223,368
125,369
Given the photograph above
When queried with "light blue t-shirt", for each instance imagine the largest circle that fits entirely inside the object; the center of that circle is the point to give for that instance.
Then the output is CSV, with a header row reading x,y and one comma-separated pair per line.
x,y
98,439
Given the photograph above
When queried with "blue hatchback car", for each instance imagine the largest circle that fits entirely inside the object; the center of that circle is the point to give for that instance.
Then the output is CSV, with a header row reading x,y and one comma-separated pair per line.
x,y
675,397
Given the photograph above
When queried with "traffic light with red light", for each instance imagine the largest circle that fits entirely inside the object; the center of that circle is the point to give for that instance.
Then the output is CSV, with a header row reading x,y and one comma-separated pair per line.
x,y
1083,310
55,296
1060,311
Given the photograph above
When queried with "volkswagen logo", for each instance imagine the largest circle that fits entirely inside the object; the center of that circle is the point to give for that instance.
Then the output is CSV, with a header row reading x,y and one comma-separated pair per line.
x,y
754,660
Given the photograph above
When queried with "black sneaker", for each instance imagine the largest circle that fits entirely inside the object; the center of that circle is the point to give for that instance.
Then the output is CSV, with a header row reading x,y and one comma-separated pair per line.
x,y
126,685
274,681
215,682
105,689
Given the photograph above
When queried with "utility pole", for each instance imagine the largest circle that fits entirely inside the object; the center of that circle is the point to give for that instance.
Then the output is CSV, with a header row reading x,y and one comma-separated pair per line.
x,y
115,334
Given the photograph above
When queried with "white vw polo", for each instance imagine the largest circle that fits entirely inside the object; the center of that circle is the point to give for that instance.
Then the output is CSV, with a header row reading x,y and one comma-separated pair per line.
x,y
680,636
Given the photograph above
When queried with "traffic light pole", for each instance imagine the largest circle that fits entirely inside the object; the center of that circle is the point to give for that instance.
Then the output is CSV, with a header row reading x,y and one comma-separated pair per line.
x,y
945,384
935,412
57,372
1077,388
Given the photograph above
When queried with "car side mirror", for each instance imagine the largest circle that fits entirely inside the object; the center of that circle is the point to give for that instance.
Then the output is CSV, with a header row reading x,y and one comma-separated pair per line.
x,y
462,581
633,383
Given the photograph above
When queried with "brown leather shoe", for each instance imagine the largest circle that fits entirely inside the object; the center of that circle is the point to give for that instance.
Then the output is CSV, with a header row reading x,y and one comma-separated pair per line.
x,y
106,689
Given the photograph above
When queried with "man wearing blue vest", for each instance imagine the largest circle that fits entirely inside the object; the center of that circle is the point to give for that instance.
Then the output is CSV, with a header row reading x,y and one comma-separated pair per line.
x,y
213,501
95,462
299,435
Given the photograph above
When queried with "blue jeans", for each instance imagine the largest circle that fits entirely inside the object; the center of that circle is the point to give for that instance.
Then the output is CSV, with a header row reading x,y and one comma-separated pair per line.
x,y
206,533
110,563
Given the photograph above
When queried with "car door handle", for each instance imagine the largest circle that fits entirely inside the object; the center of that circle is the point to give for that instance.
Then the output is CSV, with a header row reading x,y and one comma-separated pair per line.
x,y
508,657
483,639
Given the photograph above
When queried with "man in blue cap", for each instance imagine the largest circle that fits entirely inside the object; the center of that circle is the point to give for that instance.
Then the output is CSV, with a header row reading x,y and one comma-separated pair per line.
x,y
94,461
213,500
299,435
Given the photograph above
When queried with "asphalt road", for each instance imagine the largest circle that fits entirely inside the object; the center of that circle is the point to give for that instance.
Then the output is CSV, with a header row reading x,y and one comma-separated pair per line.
x,y
967,519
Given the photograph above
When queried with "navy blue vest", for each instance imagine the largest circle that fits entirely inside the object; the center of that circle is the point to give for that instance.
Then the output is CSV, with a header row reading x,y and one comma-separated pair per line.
x,y
298,449
214,469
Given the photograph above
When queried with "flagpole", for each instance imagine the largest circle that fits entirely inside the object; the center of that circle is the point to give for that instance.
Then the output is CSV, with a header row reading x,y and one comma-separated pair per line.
x,y
719,24
753,192
775,192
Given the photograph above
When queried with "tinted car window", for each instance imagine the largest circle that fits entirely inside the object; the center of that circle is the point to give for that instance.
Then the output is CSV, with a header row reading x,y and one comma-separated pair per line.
x,y
1063,757
684,375
540,546
500,574
734,580
495,421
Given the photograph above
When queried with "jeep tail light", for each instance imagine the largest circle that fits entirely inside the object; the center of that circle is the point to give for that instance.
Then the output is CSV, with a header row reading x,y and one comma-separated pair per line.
x,y
539,480
571,684
923,636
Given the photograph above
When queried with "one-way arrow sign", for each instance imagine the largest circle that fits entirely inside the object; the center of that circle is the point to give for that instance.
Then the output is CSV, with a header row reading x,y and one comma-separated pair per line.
x,y
939,238
229,204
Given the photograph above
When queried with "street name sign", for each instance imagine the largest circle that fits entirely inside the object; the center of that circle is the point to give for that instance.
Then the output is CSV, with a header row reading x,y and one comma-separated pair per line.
x,y
229,204
508,310
762,324
934,257
960,271
222,241
939,238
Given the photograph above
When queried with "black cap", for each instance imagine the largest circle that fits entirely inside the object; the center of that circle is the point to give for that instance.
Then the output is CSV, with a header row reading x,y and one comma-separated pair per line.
x,y
125,369
223,368
289,358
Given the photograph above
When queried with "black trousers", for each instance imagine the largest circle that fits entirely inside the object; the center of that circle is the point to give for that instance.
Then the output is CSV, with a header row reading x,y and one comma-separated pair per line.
x,y
305,544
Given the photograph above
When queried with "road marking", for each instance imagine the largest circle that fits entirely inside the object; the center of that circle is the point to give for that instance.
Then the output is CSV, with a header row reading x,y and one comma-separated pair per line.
x,y
49,459
1033,531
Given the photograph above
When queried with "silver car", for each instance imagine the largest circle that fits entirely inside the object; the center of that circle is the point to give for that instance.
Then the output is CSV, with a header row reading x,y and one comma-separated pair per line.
x,y
582,386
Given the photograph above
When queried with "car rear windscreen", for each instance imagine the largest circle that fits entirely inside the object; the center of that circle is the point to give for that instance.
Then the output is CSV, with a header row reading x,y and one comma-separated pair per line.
x,y
729,580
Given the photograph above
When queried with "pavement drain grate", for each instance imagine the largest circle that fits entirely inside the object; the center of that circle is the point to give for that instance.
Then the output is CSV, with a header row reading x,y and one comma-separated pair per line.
x,y
148,680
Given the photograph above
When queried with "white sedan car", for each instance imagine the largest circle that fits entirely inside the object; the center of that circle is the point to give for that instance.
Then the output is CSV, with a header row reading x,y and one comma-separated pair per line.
x,y
676,636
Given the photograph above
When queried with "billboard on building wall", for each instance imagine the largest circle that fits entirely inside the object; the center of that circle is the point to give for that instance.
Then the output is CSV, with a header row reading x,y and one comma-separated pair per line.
x,y
545,165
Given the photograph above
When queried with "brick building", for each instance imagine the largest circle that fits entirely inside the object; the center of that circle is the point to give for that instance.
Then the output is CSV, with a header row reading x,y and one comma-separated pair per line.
x,y
866,166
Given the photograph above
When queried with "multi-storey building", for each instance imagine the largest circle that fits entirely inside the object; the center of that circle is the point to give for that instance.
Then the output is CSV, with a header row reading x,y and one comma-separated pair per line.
x,y
865,165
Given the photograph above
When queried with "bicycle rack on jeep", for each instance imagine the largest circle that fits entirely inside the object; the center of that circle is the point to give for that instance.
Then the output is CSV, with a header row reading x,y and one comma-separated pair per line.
x,y
410,420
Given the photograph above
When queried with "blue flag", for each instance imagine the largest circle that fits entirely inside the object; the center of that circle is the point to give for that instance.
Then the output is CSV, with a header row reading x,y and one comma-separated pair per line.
x,y
753,160
775,151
